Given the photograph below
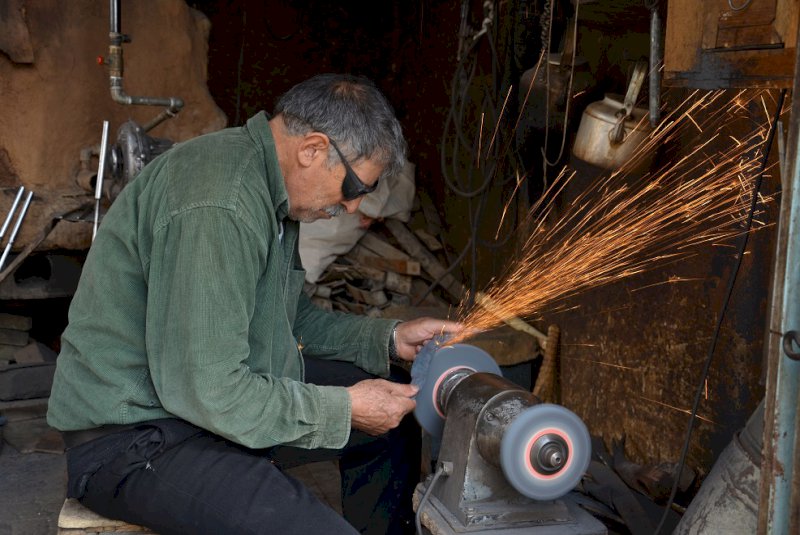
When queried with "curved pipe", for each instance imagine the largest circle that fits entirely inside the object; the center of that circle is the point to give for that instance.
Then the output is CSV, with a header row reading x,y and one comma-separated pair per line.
x,y
115,63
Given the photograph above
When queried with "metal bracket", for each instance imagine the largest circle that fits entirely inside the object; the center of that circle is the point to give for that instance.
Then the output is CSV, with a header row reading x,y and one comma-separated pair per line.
x,y
791,340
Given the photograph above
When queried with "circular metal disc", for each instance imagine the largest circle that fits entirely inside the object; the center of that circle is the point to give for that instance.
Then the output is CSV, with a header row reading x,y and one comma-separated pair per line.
x,y
432,364
519,437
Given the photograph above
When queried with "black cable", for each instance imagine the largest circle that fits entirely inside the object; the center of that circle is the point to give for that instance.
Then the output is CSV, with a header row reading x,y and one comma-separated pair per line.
x,y
446,272
728,294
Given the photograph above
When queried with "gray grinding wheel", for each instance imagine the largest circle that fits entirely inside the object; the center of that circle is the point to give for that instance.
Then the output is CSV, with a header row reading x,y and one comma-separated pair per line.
x,y
434,362
544,422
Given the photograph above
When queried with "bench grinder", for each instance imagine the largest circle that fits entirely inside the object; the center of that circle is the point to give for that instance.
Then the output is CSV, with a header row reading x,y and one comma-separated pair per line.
x,y
506,460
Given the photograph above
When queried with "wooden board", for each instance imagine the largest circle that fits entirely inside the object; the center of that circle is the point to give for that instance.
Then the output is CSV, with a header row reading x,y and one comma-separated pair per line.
x,y
75,518
710,46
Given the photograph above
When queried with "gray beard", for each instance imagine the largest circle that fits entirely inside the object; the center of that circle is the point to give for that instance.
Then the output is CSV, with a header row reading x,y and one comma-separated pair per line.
x,y
335,210
331,211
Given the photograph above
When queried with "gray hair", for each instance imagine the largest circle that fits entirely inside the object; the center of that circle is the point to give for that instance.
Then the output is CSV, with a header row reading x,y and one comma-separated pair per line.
x,y
352,112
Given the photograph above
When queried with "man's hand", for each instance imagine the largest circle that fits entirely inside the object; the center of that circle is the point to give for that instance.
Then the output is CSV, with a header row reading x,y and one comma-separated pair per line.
x,y
379,405
412,335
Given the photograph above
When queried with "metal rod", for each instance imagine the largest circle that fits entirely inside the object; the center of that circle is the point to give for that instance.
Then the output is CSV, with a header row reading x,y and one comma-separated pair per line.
x,y
11,212
13,236
114,13
98,187
656,60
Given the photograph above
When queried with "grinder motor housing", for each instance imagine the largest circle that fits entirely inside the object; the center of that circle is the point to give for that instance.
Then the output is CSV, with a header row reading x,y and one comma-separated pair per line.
x,y
509,456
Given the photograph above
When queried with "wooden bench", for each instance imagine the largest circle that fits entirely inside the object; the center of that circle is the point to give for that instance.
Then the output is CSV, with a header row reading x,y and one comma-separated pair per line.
x,y
75,519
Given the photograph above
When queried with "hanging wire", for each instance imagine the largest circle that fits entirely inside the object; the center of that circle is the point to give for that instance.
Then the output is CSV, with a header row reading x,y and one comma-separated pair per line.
x,y
461,143
548,163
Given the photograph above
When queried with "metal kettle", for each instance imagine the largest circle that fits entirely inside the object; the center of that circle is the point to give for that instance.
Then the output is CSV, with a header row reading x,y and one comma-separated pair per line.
x,y
613,130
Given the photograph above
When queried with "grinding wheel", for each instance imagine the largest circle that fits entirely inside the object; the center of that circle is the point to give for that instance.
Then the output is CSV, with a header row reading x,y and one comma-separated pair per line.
x,y
432,364
545,451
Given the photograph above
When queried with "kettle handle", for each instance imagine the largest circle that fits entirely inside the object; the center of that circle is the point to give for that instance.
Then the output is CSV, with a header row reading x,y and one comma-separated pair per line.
x,y
635,85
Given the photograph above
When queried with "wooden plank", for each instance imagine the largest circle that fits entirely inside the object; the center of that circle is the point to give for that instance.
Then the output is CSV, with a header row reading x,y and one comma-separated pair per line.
x,y
371,273
74,516
430,212
371,297
13,321
682,41
381,247
787,16
363,256
753,26
427,260
14,338
398,283
739,69
428,239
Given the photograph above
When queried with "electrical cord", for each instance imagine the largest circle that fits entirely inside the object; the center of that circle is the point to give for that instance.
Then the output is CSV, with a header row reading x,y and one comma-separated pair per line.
x,y
444,469
728,294
569,99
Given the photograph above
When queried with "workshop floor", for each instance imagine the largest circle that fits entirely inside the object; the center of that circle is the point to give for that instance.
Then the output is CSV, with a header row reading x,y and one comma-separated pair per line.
x,y
32,484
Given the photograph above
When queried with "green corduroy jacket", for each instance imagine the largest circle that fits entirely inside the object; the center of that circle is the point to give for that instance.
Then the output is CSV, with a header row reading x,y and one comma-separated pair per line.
x,y
190,305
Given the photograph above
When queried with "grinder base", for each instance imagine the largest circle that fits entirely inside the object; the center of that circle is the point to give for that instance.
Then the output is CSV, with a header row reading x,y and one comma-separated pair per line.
x,y
503,517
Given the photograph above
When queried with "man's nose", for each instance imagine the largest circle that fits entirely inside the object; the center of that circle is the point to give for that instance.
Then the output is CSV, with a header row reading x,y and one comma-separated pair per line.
x,y
352,206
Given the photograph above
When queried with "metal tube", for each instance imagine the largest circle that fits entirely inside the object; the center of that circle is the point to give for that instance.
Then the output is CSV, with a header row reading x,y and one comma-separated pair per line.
x,y
116,69
656,61
114,13
16,229
11,212
98,187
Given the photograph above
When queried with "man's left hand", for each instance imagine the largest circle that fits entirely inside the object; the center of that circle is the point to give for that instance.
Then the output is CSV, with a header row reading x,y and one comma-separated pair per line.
x,y
412,335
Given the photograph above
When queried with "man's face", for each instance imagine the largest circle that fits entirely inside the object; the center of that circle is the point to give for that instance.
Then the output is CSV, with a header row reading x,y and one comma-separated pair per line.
x,y
319,195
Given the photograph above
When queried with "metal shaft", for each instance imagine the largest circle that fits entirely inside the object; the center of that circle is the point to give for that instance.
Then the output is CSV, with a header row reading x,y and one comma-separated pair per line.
x,y
98,187
16,229
11,211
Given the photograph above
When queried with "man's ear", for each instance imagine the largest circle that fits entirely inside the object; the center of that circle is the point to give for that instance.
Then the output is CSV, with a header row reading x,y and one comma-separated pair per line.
x,y
313,147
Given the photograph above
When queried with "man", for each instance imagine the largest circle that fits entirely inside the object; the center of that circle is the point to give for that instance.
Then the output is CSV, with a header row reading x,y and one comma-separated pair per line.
x,y
180,385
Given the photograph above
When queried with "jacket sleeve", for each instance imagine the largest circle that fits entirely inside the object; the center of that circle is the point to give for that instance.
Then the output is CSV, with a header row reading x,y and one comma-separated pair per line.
x,y
204,267
361,340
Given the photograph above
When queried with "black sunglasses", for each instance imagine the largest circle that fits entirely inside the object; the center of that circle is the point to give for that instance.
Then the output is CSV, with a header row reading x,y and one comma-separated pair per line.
x,y
352,187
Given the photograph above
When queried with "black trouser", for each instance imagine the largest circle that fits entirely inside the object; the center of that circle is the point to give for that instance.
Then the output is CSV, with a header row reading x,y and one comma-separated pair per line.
x,y
176,478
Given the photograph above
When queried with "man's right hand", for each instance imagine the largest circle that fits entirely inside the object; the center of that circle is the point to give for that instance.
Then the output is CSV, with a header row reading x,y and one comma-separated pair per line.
x,y
379,405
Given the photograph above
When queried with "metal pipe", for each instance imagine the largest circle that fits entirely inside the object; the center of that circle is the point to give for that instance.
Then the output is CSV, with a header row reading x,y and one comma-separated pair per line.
x,y
116,68
11,211
116,16
13,235
98,187
656,61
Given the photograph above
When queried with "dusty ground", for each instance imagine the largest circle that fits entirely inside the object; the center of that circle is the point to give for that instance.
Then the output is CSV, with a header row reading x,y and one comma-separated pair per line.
x,y
31,491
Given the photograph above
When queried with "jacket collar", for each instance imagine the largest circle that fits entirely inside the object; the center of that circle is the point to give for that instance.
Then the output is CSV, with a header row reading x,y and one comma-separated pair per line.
x,y
258,128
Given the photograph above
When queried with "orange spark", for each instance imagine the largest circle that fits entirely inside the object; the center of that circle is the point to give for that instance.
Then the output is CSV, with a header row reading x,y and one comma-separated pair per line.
x,y
622,225
687,411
